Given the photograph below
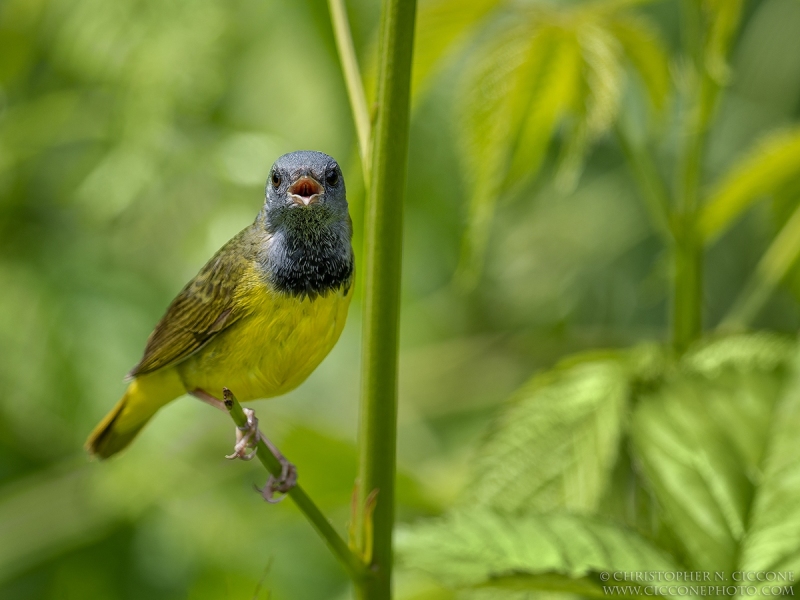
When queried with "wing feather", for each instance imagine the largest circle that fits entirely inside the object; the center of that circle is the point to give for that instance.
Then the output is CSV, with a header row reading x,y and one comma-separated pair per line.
x,y
200,311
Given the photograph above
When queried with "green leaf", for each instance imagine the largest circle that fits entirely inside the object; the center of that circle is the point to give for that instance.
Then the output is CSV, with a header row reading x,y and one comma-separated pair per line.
x,y
488,88
556,443
551,83
603,73
701,440
754,352
645,51
772,542
773,163
596,106
539,68
555,552
441,27
723,17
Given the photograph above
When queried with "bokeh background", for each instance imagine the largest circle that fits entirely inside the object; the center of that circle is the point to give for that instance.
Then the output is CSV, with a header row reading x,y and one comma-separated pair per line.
x,y
135,138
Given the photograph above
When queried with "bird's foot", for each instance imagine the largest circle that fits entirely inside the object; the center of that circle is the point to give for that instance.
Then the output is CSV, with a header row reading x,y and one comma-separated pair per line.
x,y
278,485
246,438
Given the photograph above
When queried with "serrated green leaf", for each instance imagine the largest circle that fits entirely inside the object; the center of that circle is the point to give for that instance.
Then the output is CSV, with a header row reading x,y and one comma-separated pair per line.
x,y
768,167
551,584
596,104
757,351
772,542
646,53
550,84
441,26
488,87
480,547
556,442
542,67
701,440
603,73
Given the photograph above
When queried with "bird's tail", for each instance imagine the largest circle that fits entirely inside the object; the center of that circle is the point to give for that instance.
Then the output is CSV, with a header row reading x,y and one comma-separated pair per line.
x,y
144,396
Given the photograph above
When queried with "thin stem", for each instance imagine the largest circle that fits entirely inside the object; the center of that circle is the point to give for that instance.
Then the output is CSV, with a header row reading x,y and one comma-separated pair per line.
x,y
355,567
688,292
352,79
771,269
383,254
687,306
653,189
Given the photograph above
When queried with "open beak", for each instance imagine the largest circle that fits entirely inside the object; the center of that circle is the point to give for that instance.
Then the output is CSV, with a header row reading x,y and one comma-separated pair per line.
x,y
306,191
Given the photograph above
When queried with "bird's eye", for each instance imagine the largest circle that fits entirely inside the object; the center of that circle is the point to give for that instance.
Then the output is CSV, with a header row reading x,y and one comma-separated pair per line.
x,y
276,179
332,177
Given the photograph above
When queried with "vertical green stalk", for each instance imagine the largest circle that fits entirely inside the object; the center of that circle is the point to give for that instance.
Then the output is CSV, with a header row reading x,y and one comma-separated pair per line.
x,y
708,30
383,253
352,79
687,323
687,305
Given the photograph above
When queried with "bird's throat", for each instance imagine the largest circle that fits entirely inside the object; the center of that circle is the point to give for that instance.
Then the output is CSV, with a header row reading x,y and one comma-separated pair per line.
x,y
309,261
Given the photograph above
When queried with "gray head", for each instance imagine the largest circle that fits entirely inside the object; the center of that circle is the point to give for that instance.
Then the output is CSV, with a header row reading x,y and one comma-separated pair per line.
x,y
305,189
305,213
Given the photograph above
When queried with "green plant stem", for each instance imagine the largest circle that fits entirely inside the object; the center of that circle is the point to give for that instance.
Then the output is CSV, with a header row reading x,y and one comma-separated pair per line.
x,y
354,566
353,82
687,305
651,184
383,254
772,268
687,308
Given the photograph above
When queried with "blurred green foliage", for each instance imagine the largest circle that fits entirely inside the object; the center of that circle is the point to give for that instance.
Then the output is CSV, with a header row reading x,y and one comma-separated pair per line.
x,y
135,137
631,462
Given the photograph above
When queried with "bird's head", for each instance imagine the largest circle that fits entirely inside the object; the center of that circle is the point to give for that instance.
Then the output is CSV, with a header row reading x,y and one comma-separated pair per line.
x,y
305,189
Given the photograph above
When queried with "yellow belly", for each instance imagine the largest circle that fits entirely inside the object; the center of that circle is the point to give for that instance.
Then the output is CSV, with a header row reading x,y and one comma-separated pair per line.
x,y
272,350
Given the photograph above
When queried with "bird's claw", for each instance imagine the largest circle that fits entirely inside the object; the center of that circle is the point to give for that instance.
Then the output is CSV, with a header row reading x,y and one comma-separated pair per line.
x,y
246,437
280,485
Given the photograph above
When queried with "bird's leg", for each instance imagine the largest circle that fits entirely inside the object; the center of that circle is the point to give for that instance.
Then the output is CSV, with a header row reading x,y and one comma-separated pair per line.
x,y
204,396
246,437
282,484
249,436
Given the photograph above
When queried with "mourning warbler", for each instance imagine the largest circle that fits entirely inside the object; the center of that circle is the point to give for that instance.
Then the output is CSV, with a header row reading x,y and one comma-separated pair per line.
x,y
264,311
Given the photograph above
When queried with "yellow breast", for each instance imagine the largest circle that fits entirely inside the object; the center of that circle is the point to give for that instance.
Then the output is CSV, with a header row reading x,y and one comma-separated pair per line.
x,y
273,349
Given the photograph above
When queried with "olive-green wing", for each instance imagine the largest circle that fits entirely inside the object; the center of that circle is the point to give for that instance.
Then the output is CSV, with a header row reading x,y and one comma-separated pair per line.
x,y
201,310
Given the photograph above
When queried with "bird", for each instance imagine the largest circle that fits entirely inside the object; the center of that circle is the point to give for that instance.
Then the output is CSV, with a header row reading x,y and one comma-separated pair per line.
x,y
261,315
